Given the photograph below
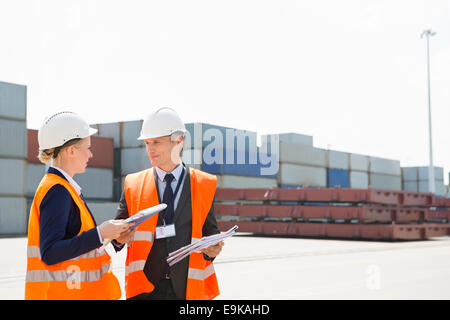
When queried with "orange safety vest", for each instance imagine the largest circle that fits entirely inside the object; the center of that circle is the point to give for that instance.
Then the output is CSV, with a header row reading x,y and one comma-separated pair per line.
x,y
87,276
140,193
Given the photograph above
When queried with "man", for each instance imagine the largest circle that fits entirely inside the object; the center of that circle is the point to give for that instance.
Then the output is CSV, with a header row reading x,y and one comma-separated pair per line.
x,y
189,215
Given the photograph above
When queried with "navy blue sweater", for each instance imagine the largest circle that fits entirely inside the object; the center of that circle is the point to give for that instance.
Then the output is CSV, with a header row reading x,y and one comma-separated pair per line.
x,y
59,225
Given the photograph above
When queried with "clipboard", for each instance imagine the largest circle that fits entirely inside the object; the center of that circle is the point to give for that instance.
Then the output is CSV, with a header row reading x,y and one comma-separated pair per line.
x,y
140,217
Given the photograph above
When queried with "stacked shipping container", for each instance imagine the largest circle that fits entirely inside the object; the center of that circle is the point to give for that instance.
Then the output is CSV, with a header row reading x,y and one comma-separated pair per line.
x,y
417,179
13,142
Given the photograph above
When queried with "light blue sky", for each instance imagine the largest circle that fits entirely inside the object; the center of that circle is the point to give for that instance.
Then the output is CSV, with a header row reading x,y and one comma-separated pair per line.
x,y
350,73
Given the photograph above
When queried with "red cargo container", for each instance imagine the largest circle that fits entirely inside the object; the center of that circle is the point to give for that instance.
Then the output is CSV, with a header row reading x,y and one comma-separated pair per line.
x,y
393,231
325,194
416,198
252,211
291,194
226,209
377,214
345,213
352,195
32,146
342,230
224,194
436,230
437,214
282,211
311,229
260,194
315,212
383,196
280,228
409,215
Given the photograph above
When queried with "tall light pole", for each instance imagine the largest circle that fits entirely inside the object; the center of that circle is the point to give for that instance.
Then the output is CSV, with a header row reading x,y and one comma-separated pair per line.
x,y
428,33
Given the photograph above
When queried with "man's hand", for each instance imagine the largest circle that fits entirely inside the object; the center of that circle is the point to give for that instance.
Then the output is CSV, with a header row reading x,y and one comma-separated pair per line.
x,y
126,236
213,251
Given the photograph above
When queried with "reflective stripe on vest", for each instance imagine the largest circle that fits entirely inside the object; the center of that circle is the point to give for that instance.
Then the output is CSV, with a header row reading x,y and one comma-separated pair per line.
x,y
201,274
71,275
134,266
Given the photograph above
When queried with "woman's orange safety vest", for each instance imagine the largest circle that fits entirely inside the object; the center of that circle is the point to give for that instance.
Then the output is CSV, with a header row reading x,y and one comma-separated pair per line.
x,y
87,276
141,193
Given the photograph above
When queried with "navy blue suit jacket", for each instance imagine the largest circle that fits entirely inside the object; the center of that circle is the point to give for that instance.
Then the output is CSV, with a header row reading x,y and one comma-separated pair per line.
x,y
60,224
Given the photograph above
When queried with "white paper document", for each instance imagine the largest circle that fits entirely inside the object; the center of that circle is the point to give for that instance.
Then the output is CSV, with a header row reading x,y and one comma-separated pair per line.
x,y
204,242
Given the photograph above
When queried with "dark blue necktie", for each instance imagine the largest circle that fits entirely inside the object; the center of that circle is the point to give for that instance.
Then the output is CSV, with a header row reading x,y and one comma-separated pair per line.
x,y
168,199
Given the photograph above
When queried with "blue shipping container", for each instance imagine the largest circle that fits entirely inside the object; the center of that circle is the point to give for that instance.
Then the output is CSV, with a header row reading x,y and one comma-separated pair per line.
x,y
338,178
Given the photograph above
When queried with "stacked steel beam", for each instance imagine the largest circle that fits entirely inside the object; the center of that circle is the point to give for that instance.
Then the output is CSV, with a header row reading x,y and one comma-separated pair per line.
x,y
335,213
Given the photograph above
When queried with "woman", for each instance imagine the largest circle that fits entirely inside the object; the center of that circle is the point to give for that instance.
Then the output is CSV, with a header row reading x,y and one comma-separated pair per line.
x,y
63,260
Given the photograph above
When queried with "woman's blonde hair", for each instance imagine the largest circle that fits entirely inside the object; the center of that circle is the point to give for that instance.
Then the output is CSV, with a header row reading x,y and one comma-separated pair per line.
x,y
46,155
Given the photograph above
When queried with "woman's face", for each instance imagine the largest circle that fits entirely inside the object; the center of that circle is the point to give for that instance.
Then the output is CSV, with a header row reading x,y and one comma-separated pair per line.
x,y
82,153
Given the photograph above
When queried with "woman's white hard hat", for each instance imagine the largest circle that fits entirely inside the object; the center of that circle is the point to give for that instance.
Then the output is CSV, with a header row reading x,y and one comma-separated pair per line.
x,y
163,122
61,128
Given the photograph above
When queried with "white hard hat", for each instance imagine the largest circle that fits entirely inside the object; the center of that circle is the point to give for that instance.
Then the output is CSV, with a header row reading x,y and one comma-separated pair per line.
x,y
62,127
163,122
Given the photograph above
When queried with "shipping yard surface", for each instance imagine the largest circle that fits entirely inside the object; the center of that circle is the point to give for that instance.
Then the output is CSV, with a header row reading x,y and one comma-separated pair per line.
x,y
285,268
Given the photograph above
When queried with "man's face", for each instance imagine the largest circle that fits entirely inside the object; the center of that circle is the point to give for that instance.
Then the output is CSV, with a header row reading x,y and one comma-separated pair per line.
x,y
162,151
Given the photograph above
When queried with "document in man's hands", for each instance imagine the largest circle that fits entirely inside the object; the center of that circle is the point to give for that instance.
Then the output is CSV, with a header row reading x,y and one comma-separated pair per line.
x,y
204,242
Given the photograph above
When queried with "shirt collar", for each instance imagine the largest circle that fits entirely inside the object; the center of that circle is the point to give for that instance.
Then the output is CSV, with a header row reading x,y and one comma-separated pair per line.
x,y
70,179
176,172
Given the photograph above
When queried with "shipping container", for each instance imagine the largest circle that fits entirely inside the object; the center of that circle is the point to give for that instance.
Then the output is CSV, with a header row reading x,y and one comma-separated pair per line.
x,y
110,130
13,216
130,132
301,154
338,160
289,137
96,183
231,181
424,173
410,173
384,181
411,186
35,173
438,187
205,135
103,211
192,158
338,178
236,162
32,146
13,139
359,162
134,160
359,180
384,166
12,173
103,153
292,174
13,101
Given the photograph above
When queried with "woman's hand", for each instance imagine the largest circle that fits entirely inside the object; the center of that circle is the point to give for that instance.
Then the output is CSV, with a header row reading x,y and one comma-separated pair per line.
x,y
112,229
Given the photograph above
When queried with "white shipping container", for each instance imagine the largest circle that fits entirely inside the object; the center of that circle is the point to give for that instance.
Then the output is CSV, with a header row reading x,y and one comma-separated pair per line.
x,y
438,187
103,211
96,183
13,215
292,174
384,166
411,186
338,160
300,154
231,181
424,173
13,101
410,174
35,172
384,181
12,173
359,162
110,130
131,130
359,180
13,139
288,137
134,160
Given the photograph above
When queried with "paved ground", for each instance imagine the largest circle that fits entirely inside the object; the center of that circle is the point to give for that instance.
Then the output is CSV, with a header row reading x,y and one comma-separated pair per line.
x,y
291,268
